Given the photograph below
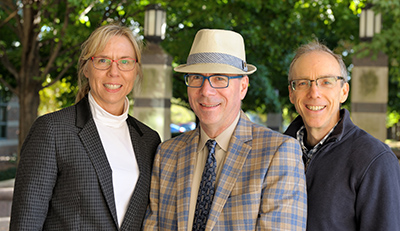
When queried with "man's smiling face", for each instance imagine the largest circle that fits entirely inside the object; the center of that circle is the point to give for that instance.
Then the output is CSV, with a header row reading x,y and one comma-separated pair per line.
x,y
318,107
218,108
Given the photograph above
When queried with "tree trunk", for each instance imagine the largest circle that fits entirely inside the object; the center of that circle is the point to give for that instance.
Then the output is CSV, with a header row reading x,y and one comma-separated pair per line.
x,y
28,104
28,79
29,85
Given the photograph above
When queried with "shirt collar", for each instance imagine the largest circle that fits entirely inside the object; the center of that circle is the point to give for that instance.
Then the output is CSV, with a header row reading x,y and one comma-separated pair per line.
x,y
108,119
300,137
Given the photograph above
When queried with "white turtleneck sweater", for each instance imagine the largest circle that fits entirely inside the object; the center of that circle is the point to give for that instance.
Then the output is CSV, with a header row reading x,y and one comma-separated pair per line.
x,y
116,140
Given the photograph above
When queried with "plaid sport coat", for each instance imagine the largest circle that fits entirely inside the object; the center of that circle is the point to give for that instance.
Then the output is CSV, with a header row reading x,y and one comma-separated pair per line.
x,y
261,187
64,180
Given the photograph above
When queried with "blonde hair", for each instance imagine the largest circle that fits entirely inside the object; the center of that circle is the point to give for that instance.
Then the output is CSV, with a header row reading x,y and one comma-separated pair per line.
x,y
96,43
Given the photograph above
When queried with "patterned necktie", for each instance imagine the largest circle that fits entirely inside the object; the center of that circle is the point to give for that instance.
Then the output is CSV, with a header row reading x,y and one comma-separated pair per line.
x,y
206,190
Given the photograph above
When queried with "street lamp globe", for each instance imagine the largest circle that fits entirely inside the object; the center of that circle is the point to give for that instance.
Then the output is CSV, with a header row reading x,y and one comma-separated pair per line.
x,y
370,23
154,23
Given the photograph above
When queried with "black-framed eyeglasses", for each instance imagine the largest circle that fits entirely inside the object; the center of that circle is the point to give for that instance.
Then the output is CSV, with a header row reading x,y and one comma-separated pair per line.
x,y
327,82
125,64
216,81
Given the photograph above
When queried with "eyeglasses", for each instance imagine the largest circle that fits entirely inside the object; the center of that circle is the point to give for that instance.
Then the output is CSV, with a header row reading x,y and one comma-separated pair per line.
x,y
125,64
322,83
216,81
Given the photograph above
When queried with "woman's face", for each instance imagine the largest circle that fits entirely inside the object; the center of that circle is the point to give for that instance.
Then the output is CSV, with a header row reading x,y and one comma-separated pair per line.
x,y
110,87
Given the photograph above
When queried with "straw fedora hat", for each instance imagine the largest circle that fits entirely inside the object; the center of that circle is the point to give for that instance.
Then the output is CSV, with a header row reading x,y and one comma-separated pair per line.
x,y
217,51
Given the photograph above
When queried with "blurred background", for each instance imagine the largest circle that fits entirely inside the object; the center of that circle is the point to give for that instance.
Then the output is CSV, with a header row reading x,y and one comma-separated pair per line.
x,y
40,43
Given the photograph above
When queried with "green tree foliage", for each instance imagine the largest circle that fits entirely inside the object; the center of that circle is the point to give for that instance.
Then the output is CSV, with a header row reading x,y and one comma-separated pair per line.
x,y
40,44
272,31
40,41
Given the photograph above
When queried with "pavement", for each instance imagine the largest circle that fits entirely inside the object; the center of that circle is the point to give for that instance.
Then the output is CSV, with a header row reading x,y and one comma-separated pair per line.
x,y
4,223
6,190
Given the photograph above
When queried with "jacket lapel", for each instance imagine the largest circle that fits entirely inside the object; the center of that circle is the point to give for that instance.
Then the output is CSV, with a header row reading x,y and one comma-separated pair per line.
x,y
142,185
236,156
185,169
92,142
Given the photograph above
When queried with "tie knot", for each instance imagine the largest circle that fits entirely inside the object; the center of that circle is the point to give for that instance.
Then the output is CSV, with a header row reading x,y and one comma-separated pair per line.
x,y
211,145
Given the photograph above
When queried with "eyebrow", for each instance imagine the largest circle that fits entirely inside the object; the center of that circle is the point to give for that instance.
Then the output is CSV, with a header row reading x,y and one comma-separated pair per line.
x,y
322,76
122,57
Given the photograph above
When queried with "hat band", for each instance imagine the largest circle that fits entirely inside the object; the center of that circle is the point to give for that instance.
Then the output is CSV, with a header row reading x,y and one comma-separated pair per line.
x,y
217,58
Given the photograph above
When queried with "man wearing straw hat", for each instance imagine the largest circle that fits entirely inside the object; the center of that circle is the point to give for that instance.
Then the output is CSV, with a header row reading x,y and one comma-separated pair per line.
x,y
229,173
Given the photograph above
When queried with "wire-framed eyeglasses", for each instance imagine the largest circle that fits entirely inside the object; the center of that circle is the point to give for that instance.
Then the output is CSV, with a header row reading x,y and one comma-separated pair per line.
x,y
216,81
327,82
125,64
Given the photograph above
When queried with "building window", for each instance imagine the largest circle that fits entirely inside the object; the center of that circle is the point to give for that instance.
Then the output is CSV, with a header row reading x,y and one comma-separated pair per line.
x,y
3,119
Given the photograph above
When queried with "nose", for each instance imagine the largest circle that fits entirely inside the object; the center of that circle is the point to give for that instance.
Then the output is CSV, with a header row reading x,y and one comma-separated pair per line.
x,y
114,70
206,89
314,90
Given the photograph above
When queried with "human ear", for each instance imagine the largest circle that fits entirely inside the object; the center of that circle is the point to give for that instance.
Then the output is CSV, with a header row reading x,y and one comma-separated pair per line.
x,y
344,92
244,85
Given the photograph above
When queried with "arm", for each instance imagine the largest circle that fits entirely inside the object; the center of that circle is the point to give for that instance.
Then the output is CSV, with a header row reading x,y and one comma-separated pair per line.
x,y
35,179
151,218
284,198
378,197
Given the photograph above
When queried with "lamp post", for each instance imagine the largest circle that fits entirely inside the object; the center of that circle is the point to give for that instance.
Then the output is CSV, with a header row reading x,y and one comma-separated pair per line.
x,y
154,23
370,23
153,105
369,82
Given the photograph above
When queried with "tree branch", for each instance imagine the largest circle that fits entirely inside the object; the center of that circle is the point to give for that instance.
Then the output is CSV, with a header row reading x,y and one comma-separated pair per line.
x,y
10,68
9,4
5,83
55,53
12,9
61,74
63,53
25,35
7,64
87,10
10,16
109,11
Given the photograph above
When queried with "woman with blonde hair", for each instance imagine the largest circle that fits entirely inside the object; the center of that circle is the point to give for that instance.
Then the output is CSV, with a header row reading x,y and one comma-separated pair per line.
x,y
88,166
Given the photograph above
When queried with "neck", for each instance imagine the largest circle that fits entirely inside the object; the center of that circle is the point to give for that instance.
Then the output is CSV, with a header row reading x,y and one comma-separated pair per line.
x,y
313,139
212,131
315,135
115,111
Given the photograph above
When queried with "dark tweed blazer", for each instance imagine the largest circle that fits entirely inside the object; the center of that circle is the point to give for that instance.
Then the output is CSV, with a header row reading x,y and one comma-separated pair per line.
x,y
64,181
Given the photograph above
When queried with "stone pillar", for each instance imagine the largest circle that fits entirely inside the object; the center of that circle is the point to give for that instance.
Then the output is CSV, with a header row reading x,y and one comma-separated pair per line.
x,y
274,121
152,104
369,94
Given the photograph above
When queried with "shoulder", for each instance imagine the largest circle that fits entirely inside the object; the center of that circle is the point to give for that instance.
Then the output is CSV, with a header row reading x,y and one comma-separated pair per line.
x,y
144,131
349,139
359,141
272,136
63,116
143,127
272,145
181,141
362,151
50,127
247,130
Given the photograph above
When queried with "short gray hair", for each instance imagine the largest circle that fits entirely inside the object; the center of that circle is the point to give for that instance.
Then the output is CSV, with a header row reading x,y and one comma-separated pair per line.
x,y
317,46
